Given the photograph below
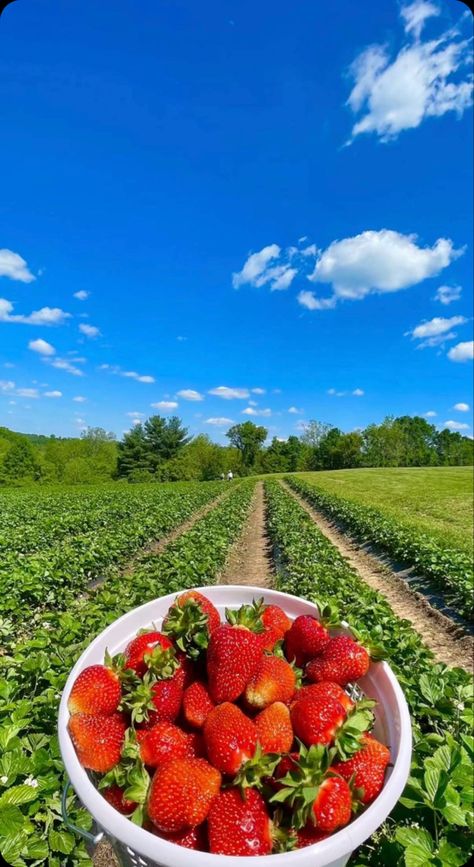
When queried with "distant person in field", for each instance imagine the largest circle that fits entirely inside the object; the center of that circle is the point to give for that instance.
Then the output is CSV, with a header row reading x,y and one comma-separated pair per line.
x,y
230,476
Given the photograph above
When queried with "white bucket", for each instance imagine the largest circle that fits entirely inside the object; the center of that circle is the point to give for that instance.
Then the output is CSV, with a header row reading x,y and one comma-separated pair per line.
x,y
135,846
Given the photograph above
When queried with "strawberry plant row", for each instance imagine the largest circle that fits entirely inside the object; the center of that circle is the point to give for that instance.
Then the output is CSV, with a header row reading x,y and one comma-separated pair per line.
x,y
32,520
449,569
33,673
54,575
430,825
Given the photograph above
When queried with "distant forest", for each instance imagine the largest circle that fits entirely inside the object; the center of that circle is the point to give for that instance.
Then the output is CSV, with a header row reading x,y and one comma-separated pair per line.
x,y
161,450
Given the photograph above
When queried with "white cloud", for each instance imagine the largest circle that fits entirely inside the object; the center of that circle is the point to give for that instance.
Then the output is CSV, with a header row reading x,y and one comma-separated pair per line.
x,y
395,94
164,404
82,295
431,413
294,410
376,262
258,391
455,425
128,374
64,364
181,338
227,393
250,410
219,422
27,392
461,407
448,294
79,398
89,330
44,316
258,271
6,385
436,326
41,346
416,14
12,265
190,394
462,351
358,392
53,394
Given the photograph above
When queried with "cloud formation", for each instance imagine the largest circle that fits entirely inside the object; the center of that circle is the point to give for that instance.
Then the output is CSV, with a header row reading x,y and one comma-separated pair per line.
x,y
53,394
42,347
425,79
251,410
165,404
461,407
219,422
376,262
44,316
455,425
89,330
227,393
448,294
190,394
13,266
82,295
462,351
128,374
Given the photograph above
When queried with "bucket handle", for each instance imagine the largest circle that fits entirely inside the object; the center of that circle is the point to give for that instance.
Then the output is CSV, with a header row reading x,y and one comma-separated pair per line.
x,y
94,839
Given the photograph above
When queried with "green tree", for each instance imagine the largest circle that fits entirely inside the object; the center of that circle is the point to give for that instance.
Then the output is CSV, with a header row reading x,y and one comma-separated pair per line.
x,y
248,438
134,454
20,462
164,438
418,441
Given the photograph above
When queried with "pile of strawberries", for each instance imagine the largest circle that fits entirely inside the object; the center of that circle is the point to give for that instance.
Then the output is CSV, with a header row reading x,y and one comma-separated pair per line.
x,y
234,738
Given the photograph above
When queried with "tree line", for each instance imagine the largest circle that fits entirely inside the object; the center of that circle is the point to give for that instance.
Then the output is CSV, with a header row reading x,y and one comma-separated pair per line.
x,y
161,449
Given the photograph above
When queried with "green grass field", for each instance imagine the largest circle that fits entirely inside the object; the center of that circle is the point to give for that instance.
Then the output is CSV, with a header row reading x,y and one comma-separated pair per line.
x,y
435,500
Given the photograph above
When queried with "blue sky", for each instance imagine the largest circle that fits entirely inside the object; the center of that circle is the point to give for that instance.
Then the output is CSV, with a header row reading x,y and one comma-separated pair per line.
x,y
231,210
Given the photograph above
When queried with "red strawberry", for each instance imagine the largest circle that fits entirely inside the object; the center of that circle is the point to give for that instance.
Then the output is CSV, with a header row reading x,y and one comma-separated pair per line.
x,y
230,738
98,740
166,698
309,835
181,794
164,741
275,623
306,638
239,824
95,691
115,796
343,660
366,768
140,652
285,766
315,793
190,621
332,806
197,704
197,745
232,657
274,729
192,838
273,680
328,689
316,719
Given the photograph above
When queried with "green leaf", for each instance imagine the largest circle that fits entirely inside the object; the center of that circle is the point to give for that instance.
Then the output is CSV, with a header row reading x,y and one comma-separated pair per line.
x,y
36,848
450,854
18,795
454,815
61,841
431,779
415,837
11,821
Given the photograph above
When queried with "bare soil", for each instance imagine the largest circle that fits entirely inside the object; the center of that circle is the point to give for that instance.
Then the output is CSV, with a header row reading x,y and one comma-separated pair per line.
x,y
438,632
250,561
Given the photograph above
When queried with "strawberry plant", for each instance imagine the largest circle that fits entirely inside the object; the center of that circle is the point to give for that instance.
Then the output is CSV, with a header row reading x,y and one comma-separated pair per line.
x,y
33,672
447,568
431,824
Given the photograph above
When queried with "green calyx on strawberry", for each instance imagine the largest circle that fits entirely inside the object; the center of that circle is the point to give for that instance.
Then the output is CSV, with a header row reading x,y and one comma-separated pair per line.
x,y
256,771
131,776
188,625
314,792
249,615
328,614
139,700
350,734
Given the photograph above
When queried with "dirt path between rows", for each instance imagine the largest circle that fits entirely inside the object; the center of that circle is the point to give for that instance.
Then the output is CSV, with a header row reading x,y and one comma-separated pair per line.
x,y
437,631
250,561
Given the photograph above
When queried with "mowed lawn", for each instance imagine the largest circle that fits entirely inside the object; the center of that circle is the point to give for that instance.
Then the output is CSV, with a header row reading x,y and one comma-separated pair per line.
x,y
436,500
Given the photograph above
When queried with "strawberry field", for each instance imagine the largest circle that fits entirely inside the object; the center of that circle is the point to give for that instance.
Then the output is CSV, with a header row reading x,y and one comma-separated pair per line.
x,y
73,563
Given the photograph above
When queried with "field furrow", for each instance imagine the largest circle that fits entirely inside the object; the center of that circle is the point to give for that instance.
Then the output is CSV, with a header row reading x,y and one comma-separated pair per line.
x,y
249,561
